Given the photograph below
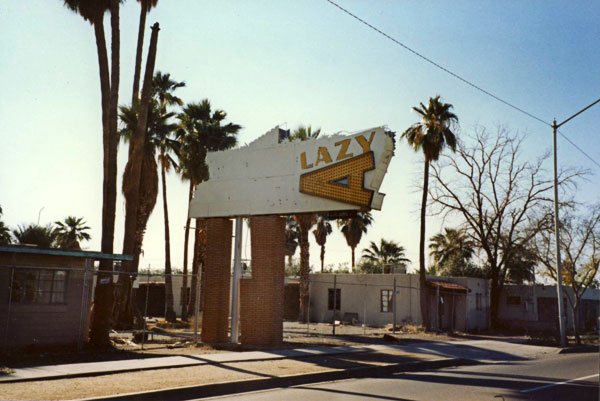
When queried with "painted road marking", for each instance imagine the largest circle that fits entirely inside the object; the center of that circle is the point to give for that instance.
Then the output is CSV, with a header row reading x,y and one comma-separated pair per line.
x,y
558,384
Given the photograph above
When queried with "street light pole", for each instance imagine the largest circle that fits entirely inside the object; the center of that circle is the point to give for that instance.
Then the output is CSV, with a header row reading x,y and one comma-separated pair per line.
x,y
561,315
561,321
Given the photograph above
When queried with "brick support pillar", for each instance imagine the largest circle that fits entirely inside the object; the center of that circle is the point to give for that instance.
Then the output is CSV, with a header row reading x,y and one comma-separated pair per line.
x,y
215,319
261,314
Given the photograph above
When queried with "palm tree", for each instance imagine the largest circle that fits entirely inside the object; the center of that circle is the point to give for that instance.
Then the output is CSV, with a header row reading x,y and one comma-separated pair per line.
x,y
353,228
201,130
385,255
163,88
430,135
303,133
453,245
321,232
158,138
70,232
34,234
5,238
145,7
521,265
292,237
305,222
93,11
139,161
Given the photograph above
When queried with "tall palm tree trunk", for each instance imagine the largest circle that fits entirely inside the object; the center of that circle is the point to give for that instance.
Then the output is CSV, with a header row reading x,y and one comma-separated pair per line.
x,y
170,314
138,54
195,268
186,242
132,178
305,222
422,277
322,258
103,295
113,112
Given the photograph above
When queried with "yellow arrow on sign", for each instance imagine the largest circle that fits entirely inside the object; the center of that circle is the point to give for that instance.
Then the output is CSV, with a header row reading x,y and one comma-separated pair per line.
x,y
343,181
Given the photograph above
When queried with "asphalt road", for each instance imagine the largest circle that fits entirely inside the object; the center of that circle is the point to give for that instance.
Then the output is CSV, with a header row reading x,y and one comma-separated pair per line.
x,y
555,377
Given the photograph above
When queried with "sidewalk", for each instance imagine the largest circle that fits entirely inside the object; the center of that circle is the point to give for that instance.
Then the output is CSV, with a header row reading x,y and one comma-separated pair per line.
x,y
129,365
189,377
197,376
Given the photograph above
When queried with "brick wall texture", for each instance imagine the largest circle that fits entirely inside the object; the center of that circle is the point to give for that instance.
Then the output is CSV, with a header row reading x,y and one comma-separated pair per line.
x,y
261,297
217,273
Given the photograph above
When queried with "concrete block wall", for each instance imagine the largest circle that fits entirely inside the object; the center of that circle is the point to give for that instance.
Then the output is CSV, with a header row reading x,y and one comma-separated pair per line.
x,y
361,294
261,297
215,321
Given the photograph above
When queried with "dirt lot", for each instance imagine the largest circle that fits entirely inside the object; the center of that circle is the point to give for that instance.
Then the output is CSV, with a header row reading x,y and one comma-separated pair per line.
x,y
179,341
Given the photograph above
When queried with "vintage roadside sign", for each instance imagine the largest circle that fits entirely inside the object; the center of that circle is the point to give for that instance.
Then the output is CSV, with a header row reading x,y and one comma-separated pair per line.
x,y
273,175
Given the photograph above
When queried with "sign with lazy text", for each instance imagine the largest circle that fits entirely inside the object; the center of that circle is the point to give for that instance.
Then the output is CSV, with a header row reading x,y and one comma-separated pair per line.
x,y
274,175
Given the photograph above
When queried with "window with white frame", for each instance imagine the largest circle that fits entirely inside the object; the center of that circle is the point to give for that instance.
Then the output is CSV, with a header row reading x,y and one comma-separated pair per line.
x,y
39,286
386,300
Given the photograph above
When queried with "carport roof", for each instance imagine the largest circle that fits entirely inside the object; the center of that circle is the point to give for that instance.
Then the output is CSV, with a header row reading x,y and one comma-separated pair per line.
x,y
62,252
446,285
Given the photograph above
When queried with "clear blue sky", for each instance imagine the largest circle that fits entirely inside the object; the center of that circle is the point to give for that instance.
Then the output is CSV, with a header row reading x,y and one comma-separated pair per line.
x,y
273,62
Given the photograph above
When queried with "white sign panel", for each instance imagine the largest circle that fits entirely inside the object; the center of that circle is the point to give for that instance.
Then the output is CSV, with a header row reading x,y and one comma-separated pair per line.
x,y
275,176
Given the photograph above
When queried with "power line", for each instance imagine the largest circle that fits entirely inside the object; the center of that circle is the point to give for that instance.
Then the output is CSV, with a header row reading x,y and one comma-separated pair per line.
x,y
578,148
416,53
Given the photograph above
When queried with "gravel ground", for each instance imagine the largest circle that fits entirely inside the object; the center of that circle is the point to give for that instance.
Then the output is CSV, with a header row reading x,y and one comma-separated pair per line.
x,y
76,388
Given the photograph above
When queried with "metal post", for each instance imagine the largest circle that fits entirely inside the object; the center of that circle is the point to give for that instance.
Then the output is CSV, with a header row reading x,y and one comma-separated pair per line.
x,y
365,307
237,265
437,309
82,335
394,306
308,313
535,314
561,322
146,308
410,295
334,300
10,289
197,304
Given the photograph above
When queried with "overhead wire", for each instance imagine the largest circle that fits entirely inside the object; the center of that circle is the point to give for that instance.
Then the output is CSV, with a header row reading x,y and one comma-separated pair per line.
x,y
455,75
578,148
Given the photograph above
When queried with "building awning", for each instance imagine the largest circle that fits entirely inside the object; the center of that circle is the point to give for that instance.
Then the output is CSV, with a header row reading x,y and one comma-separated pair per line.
x,y
32,250
445,285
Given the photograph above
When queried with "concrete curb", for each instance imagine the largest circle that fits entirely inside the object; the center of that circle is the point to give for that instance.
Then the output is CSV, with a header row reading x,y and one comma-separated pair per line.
x,y
243,386
579,349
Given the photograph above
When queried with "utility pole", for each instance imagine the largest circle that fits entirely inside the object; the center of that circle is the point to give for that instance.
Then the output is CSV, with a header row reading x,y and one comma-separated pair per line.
x,y
561,316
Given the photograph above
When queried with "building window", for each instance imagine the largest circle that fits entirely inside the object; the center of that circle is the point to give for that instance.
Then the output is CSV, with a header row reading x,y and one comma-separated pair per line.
x,y
512,300
338,298
386,303
479,301
39,286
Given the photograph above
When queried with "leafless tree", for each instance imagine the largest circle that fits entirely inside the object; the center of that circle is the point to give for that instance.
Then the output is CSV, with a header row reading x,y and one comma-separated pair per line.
x,y
500,197
580,245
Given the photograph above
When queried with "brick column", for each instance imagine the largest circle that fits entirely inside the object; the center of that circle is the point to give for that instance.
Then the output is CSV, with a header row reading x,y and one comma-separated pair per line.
x,y
261,315
215,319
